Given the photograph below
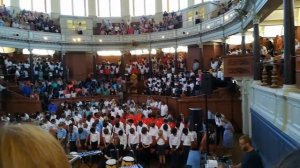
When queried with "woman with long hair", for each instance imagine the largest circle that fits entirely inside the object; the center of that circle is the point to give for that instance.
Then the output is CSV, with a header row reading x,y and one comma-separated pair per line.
x,y
29,146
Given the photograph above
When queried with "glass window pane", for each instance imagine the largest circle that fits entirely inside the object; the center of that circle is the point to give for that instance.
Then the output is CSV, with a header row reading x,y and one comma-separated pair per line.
x,y
139,8
25,4
150,7
165,5
183,4
78,8
48,6
173,5
115,8
104,8
131,7
6,3
66,7
197,1
38,5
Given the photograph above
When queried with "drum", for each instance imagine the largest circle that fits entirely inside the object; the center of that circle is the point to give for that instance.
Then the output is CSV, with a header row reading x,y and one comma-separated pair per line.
x,y
111,163
127,161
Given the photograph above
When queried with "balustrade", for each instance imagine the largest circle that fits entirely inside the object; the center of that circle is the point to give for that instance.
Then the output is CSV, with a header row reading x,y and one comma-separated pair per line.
x,y
271,74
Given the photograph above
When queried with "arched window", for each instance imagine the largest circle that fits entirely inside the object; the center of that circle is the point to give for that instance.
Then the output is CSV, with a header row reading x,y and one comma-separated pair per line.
x,y
141,7
36,5
174,5
74,7
108,8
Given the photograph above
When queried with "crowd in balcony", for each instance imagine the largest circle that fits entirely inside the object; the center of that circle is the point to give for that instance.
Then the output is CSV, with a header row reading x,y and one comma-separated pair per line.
x,y
146,24
227,5
38,21
108,69
184,83
61,89
44,68
28,20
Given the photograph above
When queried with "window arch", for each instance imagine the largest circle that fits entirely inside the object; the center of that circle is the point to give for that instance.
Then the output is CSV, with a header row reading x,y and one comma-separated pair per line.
x,y
35,5
174,5
108,8
141,7
74,7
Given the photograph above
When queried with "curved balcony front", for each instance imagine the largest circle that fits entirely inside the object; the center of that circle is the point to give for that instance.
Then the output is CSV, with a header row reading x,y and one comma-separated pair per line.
x,y
218,28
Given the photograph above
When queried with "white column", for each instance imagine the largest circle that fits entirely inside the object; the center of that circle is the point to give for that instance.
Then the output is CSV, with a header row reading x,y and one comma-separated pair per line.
x,y
55,8
91,8
191,3
15,4
245,89
125,9
158,10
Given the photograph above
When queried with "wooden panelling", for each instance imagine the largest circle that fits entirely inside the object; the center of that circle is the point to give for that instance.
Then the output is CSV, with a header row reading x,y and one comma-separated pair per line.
x,y
80,65
194,52
238,66
210,51
298,69
16,103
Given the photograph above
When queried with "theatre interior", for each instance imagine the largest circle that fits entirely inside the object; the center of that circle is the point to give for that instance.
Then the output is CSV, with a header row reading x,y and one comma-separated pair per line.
x,y
153,83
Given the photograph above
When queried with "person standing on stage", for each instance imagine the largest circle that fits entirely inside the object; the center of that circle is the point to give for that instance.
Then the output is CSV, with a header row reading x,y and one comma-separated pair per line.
x,y
220,128
146,140
228,139
174,142
122,142
73,139
186,139
161,140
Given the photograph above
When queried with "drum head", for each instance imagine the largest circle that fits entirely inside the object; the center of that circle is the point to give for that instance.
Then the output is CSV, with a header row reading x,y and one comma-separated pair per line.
x,y
73,153
111,162
128,159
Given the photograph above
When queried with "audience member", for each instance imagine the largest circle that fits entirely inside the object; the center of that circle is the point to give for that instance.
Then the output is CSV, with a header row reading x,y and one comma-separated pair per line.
x,y
251,157
28,146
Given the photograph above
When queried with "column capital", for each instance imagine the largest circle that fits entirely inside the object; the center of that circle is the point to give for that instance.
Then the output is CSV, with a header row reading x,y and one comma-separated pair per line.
x,y
256,19
243,32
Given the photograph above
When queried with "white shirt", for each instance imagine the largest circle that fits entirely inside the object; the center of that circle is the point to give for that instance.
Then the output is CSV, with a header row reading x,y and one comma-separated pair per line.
x,y
218,121
160,141
174,140
153,131
95,137
117,129
139,128
146,113
187,139
107,138
123,140
128,128
146,139
164,110
133,139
